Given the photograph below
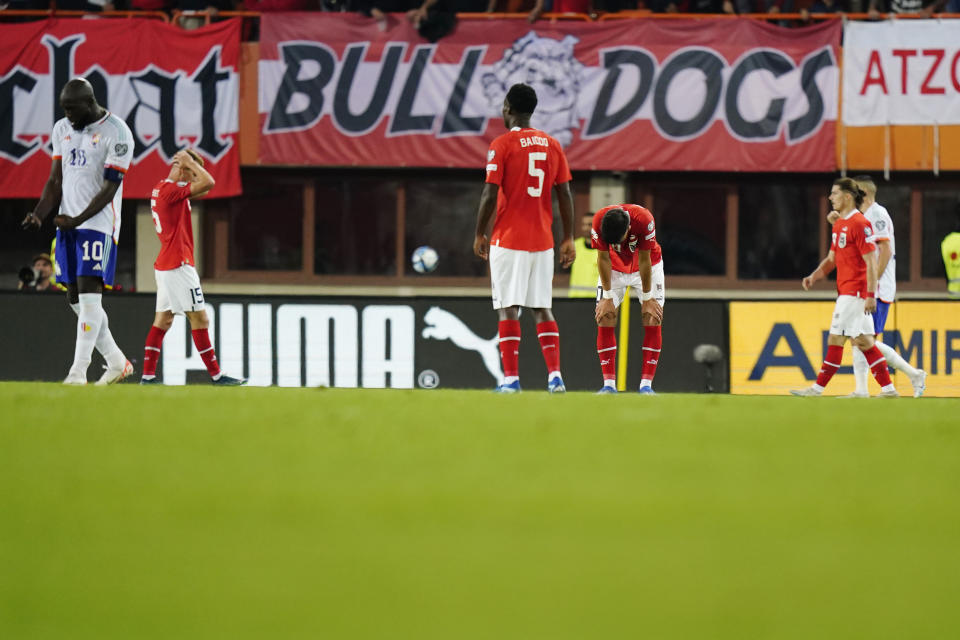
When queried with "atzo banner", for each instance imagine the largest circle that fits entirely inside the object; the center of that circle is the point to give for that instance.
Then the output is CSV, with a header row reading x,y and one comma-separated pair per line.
x,y
731,95
901,72
172,87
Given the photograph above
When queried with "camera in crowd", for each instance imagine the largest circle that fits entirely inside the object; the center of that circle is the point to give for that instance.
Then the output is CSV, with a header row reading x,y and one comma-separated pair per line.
x,y
38,276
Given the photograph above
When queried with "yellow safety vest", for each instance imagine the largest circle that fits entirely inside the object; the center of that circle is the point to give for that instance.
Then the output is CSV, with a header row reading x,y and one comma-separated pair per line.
x,y
583,273
951,262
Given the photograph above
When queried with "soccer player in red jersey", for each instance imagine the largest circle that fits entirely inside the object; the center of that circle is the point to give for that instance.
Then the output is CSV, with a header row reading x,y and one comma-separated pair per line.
x,y
523,166
853,252
628,254
178,285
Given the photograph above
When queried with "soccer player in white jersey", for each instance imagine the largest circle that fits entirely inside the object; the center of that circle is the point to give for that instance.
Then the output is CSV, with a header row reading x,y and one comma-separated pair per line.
x,y
879,219
92,149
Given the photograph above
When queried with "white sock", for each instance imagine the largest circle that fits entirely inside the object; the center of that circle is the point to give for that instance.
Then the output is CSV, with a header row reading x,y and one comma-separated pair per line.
x,y
88,328
510,379
861,371
646,382
610,383
106,345
895,360
552,375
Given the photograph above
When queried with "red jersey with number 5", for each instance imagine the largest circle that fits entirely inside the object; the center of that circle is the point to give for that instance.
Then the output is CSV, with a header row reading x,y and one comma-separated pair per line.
x,y
170,206
641,235
526,164
852,238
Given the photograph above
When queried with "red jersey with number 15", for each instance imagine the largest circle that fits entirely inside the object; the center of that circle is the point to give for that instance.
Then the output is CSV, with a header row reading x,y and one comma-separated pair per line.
x,y
170,206
642,235
852,238
526,164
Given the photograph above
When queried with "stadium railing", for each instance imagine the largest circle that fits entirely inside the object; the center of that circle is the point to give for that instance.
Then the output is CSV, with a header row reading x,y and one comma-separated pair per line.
x,y
56,13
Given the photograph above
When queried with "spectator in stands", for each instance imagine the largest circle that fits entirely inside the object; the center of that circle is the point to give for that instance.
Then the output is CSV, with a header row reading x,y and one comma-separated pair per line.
x,y
924,8
24,5
266,6
559,6
698,6
90,6
151,5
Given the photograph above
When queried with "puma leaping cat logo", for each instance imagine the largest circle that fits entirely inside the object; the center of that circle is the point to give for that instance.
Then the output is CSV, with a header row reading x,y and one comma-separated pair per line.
x,y
443,325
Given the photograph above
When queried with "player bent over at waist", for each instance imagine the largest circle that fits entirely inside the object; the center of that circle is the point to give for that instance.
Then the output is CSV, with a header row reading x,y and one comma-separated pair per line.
x,y
178,285
628,254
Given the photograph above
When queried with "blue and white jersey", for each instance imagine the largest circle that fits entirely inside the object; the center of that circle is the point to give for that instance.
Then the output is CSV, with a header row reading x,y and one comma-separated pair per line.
x,y
85,155
882,227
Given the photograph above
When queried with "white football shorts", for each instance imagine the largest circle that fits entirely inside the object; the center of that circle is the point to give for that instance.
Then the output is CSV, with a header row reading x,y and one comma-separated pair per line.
x,y
620,281
178,290
521,278
850,317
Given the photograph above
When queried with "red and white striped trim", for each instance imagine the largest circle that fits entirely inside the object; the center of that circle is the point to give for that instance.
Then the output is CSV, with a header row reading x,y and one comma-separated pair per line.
x,y
607,349
517,338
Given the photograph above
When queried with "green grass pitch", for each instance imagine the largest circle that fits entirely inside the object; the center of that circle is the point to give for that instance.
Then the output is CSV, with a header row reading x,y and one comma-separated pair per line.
x,y
200,512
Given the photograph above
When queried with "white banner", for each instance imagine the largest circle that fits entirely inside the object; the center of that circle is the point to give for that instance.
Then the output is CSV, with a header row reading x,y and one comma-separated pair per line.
x,y
901,72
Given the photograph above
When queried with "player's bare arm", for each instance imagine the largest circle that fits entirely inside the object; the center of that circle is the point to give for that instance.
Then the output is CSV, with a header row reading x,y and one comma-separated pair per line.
x,y
488,204
49,199
649,306
568,251
605,308
824,268
884,253
870,259
833,216
201,182
97,203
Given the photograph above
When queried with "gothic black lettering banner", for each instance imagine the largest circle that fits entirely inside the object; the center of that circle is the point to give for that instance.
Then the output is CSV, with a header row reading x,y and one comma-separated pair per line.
x,y
731,95
174,88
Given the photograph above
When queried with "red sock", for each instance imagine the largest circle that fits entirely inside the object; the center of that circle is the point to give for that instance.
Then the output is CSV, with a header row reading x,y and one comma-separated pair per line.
x,y
201,339
652,342
151,351
549,335
830,365
607,350
510,347
878,365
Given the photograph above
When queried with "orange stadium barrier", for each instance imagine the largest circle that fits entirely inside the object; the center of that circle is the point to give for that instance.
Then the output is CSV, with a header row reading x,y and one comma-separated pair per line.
x,y
54,13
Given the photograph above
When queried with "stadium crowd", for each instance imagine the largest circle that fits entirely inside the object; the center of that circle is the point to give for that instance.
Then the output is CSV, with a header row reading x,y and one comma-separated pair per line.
x,y
418,10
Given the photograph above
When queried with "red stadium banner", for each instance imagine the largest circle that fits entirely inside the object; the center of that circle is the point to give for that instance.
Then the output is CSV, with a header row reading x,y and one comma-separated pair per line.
x,y
172,87
730,95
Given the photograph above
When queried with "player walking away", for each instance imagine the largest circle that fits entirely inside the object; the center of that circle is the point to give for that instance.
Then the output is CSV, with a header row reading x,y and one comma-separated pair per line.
x,y
92,149
882,226
628,254
523,165
178,285
855,256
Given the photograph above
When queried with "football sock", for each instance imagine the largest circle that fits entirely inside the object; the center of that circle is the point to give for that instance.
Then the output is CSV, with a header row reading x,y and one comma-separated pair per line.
x,y
549,335
861,372
201,339
509,331
652,342
895,360
607,351
106,345
830,365
878,365
151,352
88,328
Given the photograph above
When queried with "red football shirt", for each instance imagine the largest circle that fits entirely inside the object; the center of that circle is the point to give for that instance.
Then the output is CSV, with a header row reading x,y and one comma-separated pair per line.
x,y
526,164
852,238
170,206
642,235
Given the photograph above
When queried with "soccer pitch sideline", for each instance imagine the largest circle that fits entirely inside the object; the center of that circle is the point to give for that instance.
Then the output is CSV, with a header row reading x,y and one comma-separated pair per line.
x,y
200,512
